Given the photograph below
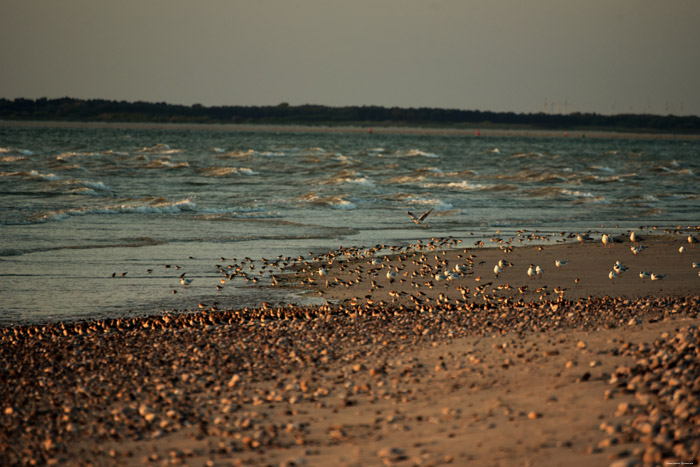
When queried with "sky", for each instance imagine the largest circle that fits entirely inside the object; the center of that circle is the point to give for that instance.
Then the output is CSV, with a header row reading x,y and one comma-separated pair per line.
x,y
602,56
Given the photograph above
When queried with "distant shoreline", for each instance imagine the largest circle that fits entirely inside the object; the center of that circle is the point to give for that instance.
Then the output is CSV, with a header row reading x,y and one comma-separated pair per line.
x,y
301,128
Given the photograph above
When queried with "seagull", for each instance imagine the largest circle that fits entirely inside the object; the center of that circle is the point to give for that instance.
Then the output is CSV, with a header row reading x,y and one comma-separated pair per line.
x,y
692,239
391,275
582,237
634,238
560,262
681,249
657,277
502,263
538,270
184,281
607,240
497,270
644,275
636,249
531,271
419,220
612,275
322,271
696,265
619,268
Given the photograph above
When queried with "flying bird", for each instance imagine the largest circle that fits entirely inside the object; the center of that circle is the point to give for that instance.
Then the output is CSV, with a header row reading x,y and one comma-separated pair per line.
x,y
421,218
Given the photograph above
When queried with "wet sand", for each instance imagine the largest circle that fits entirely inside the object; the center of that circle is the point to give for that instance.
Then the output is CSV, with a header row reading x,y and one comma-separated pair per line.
x,y
409,370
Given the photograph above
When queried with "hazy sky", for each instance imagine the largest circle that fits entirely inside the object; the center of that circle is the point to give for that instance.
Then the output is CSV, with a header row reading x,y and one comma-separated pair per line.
x,y
604,56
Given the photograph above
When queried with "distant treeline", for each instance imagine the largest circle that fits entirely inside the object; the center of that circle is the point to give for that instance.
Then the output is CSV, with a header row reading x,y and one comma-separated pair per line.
x,y
69,109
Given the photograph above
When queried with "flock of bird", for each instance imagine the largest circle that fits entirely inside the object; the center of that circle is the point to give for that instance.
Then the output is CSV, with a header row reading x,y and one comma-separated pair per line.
x,y
367,263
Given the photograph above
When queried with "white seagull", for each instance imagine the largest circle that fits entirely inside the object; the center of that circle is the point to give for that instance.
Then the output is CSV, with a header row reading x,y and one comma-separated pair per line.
x,y
531,271
538,270
497,270
634,238
560,262
644,275
657,277
607,240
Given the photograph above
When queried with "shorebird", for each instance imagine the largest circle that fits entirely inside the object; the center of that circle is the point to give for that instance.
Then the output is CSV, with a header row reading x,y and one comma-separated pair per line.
x,y
636,249
502,263
560,262
538,270
582,237
681,249
531,271
634,238
607,240
391,275
184,281
322,271
419,220
696,265
657,277
644,275
497,270
612,275
619,268
692,239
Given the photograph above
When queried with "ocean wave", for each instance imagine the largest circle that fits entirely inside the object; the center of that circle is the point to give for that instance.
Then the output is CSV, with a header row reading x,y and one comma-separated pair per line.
x,y
405,179
70,154
217,171
23,152
438,204
337,201
10,159
164,162
160,148
415,153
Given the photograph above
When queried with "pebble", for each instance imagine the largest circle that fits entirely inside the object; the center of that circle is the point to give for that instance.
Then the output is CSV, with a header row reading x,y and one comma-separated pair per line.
x,y
134,378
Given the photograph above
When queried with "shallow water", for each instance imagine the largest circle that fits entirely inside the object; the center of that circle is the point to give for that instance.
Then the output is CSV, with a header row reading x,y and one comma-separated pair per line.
x,y
80,204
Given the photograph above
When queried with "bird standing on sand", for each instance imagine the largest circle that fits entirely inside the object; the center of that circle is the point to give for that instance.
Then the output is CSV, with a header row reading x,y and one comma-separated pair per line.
x,y
634,238
692,240
607,240
560,262
184,281
538,270
531,271
612,275
657,277
419,220
497,270
644,275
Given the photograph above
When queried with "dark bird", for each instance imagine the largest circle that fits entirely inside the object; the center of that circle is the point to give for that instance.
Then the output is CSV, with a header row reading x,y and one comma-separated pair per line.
x,y
419,220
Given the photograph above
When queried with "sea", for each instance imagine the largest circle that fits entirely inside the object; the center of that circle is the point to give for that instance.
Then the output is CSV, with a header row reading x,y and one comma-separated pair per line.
x,y
101,222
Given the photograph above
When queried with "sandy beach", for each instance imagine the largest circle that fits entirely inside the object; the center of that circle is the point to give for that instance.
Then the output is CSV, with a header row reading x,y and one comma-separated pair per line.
x,y
422,356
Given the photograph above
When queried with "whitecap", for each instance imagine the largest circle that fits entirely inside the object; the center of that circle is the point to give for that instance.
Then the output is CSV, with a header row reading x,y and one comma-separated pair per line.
x,y
50,177
416,153
12,158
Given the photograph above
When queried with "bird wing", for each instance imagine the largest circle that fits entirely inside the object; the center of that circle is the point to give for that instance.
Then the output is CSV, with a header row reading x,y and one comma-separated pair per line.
x,y
425,214
415,219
